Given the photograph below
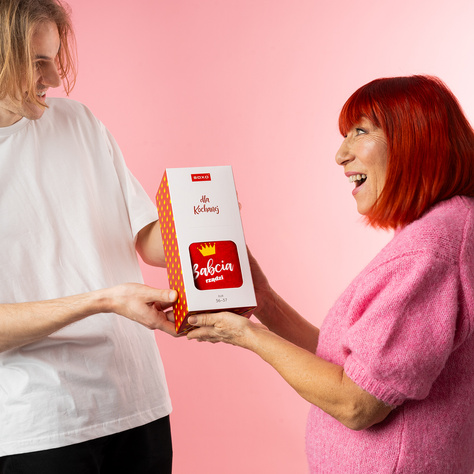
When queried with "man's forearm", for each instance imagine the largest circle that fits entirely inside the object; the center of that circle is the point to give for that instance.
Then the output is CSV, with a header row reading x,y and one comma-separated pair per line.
x,y
23,323
150,245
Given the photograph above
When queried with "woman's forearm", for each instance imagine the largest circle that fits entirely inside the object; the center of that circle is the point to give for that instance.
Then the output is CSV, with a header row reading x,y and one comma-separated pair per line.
x,y
282,319
320,382
278,315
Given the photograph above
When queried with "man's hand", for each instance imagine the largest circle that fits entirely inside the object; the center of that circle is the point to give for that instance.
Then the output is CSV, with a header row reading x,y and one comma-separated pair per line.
x,y
143,304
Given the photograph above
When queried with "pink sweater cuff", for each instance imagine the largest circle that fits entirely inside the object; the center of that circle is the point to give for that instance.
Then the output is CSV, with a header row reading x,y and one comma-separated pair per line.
x,y
357,373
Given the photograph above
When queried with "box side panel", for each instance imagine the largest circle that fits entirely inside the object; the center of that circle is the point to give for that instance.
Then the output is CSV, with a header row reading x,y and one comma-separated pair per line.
x,y
170,246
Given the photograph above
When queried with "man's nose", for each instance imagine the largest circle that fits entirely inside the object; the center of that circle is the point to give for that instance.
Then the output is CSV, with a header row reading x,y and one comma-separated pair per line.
x,y
50,75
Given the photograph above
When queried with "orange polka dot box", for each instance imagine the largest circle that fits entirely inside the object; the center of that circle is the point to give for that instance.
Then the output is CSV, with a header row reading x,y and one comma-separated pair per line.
x,y
204,243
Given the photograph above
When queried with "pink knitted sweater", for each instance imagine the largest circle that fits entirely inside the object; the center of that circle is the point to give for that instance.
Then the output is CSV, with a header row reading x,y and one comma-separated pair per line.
x,y
403,331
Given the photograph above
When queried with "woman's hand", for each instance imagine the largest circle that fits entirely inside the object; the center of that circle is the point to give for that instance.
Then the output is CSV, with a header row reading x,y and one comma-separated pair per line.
x,y
223,327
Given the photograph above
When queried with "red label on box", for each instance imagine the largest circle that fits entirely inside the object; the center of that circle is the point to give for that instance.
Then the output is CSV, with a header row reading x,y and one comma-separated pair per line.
x,y
201,177
215,265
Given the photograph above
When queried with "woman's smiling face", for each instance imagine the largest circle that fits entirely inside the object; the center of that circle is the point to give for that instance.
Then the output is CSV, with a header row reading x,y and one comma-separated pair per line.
x,y
364,156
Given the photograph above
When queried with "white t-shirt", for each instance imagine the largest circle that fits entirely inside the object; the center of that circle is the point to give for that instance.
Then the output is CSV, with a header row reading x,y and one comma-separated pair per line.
x,y
70,211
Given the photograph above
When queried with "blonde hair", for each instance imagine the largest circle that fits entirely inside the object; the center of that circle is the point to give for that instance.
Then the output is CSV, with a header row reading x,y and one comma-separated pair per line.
x,y
18,20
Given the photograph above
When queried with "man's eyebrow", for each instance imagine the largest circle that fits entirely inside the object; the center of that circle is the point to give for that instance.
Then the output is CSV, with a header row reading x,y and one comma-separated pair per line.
x,y
45,58
42,58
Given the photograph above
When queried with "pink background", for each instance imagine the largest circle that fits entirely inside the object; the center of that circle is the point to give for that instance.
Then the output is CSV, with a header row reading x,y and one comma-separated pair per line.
x,y
258,84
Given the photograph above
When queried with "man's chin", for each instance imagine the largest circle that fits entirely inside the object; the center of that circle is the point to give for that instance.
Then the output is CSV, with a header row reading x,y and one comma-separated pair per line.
x,y
33,112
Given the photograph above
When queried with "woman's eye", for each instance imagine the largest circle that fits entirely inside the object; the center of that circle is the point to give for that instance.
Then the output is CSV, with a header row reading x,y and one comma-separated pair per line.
x,y
360,131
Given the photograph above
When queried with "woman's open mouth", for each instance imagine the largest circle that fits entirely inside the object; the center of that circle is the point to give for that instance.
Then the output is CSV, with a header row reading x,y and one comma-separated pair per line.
x,y
358,179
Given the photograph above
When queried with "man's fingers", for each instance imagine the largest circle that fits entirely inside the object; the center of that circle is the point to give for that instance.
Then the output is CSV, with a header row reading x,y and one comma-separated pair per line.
x,y
165,296
169,316
162,299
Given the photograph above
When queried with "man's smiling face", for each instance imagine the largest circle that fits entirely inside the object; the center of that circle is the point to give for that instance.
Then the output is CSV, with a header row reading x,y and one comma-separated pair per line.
x,y
45,45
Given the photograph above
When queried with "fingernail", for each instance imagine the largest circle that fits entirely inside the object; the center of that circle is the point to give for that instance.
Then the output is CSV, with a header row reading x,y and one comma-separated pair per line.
x,y
192,320
172,295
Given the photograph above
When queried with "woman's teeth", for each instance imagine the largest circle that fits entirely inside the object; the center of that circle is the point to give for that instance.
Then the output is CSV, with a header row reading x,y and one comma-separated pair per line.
x,y
41,94
357,177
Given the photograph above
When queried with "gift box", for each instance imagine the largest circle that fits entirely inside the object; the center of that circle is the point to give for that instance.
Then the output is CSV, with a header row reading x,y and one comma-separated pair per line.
x,y
204,244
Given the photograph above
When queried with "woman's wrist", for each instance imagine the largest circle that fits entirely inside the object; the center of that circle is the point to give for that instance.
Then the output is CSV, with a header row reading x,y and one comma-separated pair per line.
x,y
266,303
251,339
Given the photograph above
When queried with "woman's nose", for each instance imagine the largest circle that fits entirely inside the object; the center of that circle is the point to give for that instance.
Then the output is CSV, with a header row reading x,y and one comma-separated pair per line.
x,y
344,155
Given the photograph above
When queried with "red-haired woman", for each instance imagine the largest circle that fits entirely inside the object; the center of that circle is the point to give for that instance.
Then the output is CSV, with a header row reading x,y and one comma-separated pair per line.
x,y
390,374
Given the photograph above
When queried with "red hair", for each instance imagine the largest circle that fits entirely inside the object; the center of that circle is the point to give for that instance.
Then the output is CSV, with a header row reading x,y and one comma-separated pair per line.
x,y
430,145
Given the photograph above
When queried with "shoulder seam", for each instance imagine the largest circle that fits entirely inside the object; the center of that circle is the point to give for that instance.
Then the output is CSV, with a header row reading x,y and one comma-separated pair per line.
x,y
411,253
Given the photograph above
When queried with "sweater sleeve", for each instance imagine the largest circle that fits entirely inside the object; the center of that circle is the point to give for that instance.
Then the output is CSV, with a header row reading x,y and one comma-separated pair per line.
x,y
403,326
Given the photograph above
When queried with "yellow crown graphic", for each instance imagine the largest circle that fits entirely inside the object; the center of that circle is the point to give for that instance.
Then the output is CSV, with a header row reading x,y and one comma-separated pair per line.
x,y
207,249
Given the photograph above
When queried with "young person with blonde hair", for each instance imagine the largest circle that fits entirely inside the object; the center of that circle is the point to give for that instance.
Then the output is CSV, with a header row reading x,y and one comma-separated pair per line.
x,y
82,386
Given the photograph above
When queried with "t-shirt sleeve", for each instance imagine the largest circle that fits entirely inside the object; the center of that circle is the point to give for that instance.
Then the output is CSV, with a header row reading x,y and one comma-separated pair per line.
x,y
141,209
399,344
